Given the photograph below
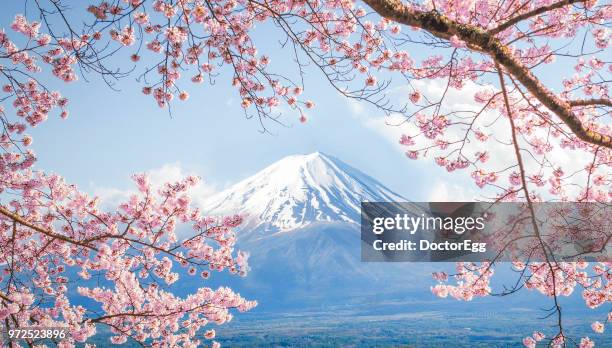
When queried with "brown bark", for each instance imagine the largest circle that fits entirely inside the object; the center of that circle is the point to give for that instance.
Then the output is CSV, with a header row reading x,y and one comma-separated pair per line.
x,y
20,220
486,42
588,102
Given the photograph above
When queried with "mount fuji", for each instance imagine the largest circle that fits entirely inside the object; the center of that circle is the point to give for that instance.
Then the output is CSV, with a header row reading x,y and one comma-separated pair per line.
x,y
301,230
298,191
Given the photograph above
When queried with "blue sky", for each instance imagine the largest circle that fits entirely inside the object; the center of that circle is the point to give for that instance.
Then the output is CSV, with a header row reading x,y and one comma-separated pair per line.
x,y
111,134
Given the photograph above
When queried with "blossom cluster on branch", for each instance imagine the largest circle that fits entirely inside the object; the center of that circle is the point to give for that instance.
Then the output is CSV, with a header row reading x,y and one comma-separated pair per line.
x,y
55,238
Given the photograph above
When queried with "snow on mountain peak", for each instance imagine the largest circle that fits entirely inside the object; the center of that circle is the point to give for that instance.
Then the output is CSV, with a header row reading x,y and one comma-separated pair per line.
x,y
299,190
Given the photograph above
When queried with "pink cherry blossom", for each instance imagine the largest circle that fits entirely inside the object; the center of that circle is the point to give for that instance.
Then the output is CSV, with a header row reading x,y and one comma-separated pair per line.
x,y
176,35
529,342
586,342
126,36
538,336
598,327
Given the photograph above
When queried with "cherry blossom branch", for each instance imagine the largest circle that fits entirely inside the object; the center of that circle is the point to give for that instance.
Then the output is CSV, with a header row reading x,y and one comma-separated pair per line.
x,y
480,40
535,12
587,102
528,199
20,220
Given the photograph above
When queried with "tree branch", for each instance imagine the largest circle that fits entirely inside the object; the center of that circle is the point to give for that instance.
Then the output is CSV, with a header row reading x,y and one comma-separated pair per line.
x,y
20,220
483,41
538,11
534,222
587,102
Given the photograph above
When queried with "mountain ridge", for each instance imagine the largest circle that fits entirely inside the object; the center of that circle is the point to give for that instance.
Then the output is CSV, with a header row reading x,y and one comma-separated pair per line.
x,y
299,190
303,231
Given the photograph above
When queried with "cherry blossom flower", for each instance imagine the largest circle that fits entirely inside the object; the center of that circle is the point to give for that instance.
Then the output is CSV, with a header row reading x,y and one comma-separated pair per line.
x,y
371,81
529,342
598,327
586,342
538,336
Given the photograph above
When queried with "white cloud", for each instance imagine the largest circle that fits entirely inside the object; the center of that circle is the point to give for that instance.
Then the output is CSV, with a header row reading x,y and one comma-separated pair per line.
x,y
357,108
389,127
110,197
448,192
393,126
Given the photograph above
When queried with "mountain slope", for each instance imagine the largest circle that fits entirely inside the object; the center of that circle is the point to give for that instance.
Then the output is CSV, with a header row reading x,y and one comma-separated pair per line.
x,y
302,233
299,190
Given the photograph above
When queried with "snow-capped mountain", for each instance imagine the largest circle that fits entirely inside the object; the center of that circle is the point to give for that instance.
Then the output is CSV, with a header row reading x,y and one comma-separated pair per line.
x,y
300,190
302,231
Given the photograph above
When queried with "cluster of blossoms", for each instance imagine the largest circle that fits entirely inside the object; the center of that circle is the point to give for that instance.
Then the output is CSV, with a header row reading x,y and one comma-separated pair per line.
x,y
551,279
60,54
126,36
21,25
531,341
482,178
134,250
472,281
52,234
182,51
